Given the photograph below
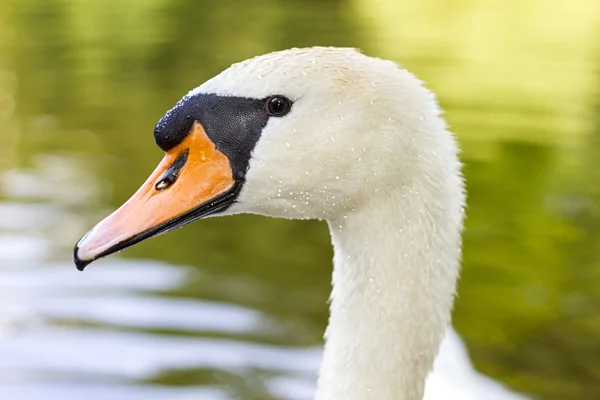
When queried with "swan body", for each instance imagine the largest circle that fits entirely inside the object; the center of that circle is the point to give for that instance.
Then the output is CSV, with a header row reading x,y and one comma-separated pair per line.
x,y
353,140
454,378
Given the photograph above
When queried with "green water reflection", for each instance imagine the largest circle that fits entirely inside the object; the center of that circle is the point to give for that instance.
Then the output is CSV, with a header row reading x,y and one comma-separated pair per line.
x,y
88,80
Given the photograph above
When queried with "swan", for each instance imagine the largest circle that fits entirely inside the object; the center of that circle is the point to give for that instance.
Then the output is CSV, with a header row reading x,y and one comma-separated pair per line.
x,y
330,134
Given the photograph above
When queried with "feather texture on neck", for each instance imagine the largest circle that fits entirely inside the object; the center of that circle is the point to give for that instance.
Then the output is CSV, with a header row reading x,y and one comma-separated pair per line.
x,y
395,270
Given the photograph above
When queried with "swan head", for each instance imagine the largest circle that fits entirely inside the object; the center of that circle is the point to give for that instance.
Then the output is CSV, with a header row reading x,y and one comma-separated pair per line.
x,y
301,133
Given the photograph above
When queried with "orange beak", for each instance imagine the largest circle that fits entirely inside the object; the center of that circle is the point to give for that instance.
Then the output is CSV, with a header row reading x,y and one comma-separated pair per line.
x,y
193,180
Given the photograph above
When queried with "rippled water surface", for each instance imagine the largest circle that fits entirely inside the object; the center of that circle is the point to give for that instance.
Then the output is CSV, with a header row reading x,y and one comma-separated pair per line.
x,y
236,307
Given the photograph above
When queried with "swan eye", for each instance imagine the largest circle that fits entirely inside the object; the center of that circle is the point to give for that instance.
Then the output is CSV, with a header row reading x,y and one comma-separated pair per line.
x,y
278,106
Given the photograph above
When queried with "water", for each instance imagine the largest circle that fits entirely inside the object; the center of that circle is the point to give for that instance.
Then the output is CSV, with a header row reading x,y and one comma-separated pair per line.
x,y
236,307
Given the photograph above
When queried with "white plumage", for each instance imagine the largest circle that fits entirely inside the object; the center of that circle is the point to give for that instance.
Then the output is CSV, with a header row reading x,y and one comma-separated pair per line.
x,y
366,149
454,378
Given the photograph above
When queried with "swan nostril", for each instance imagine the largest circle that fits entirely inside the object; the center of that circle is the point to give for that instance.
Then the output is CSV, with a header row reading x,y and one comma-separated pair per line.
x,y
172,173
164,183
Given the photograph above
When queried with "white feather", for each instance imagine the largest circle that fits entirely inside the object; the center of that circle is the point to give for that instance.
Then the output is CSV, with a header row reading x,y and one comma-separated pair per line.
x,y
366,149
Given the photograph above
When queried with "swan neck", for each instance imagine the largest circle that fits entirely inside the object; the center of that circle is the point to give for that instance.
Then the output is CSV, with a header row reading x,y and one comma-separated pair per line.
x,y
395,269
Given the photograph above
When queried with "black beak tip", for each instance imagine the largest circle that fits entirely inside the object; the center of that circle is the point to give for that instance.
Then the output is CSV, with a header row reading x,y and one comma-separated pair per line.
x,y
79,263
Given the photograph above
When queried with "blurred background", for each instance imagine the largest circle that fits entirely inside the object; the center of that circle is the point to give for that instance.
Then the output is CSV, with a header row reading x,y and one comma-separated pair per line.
x,y
236,307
